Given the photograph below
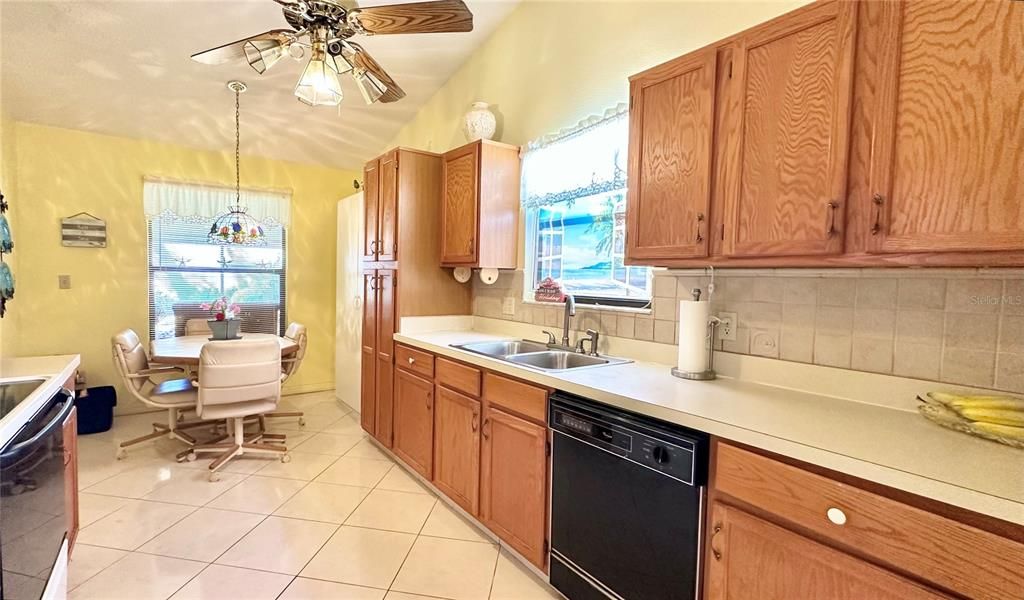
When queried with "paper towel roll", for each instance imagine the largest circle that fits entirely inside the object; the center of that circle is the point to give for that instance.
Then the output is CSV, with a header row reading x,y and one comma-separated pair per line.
x,y
694,317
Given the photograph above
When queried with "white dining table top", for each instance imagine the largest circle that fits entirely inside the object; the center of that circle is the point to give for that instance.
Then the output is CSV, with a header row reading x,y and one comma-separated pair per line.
x,y
185,350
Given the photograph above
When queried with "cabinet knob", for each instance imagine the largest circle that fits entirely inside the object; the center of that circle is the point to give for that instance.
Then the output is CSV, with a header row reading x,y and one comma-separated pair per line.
x,y
412,360
836,516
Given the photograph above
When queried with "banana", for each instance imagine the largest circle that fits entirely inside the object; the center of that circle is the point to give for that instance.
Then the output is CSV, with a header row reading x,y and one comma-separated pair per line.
x,y
1013,418
1016,433
958,401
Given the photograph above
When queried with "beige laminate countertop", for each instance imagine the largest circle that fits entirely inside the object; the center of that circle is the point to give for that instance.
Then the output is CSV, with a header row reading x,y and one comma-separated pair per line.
x,y
897,448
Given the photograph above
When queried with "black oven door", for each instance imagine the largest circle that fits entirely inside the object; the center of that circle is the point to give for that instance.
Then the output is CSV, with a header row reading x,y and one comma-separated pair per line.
x,y
33,520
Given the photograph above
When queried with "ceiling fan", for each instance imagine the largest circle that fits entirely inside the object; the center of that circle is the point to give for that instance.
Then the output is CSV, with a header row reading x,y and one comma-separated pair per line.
x,y
325,28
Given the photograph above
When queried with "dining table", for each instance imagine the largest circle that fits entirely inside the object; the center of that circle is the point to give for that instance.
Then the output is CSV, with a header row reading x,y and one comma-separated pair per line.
x,y
184,350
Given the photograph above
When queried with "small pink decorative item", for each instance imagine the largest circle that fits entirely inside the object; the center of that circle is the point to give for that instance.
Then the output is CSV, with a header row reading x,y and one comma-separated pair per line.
x,y
549,290
224,324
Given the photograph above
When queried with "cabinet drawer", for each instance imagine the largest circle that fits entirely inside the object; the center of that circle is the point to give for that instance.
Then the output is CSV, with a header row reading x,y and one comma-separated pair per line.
x,y
523,398
955,556
459,377
414,360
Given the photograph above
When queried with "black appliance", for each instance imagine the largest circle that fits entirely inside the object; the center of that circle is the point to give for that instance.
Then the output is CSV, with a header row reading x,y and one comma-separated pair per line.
x,y
627,504
33,520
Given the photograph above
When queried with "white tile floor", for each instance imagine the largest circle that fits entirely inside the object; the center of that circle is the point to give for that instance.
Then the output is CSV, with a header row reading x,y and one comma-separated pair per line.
x,y
341,520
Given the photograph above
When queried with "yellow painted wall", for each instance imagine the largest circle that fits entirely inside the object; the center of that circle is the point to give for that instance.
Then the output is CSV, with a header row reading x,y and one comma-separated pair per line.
x,y
61,172
553,63
8,169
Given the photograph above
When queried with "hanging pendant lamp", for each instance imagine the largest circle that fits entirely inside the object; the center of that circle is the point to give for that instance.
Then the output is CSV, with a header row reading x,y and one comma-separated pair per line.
x,y
236,227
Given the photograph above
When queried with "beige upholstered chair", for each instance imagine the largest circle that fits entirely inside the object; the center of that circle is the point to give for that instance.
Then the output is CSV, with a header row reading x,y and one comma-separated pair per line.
x,y
172,395
238,379
290,364
197,327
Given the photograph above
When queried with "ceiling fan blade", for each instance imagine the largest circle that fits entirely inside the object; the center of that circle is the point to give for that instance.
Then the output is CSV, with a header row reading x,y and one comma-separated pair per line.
x,y
234,51
362,59
439,16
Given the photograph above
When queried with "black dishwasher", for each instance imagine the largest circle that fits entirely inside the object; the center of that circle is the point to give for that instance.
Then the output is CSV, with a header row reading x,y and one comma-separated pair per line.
x,y
627,504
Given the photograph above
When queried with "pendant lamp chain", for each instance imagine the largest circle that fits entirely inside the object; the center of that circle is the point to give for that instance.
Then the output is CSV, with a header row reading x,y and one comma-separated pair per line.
x,y
236,226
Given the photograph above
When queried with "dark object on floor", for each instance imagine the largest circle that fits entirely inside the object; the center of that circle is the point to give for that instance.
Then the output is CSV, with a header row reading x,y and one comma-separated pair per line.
x,y
96,409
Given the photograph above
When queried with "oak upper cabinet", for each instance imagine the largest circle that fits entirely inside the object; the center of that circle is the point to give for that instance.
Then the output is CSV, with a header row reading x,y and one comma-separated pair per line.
x,y
387,228
752,558
414,421
371,206
789,99
670,145
480,206
513,482
949,142
457,448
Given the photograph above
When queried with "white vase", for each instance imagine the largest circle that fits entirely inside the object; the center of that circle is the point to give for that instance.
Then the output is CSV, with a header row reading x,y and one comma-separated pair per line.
x,y
480,122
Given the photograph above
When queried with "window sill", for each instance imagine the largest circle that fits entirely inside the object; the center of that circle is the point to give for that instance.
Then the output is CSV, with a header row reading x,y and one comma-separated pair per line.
x,y
596,307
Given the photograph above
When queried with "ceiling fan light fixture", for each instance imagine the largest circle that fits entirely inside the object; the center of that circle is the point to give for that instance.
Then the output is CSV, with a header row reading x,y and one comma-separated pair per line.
x,y
369,85
262,54
319,85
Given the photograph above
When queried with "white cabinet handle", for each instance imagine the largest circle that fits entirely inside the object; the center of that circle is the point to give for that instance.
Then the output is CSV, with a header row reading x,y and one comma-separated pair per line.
x,y
411,360
836,515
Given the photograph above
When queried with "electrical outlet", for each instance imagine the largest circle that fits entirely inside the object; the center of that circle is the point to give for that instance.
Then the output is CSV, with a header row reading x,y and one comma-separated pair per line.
x,y
508,307
727,326
64,282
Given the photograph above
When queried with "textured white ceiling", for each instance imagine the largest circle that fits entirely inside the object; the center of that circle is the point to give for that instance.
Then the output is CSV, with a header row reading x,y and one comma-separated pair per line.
x,y
123,68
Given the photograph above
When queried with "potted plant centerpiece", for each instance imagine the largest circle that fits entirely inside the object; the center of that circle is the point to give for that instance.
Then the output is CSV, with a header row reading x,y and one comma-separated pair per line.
x,y
224,323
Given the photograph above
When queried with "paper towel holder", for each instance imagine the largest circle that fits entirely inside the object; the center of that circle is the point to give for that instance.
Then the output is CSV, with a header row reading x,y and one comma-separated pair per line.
x,y
709,373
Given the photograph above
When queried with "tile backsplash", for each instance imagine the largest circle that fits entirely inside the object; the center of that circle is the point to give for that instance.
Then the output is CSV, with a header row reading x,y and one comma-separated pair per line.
x,y
962,326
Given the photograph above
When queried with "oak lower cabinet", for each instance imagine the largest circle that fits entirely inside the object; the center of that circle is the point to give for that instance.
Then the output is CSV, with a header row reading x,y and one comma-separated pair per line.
x,y
752,558
514,483
414,421
377,367
70,436
781,529
457,448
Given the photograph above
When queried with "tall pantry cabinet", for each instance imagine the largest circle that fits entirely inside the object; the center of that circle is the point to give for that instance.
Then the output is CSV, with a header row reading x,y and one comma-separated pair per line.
x,y
401,277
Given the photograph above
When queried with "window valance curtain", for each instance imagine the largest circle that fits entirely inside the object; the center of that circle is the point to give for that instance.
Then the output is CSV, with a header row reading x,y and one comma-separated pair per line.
x,y
202,203
584,160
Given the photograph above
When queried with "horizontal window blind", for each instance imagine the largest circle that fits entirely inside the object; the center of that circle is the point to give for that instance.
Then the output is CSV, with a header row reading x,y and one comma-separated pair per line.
x,y
186,270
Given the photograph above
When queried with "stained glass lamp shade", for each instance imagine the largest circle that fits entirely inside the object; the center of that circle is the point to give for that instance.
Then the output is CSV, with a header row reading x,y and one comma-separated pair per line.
x,y
237,227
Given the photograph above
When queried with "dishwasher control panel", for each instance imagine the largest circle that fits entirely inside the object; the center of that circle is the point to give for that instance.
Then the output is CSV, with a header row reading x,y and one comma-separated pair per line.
x,y
656,448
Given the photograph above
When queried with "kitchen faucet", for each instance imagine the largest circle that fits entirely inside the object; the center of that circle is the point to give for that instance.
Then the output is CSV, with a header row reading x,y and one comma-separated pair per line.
x,y
570,311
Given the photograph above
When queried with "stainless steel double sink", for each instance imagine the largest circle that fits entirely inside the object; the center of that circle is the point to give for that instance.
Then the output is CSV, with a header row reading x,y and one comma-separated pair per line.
x,y
537,355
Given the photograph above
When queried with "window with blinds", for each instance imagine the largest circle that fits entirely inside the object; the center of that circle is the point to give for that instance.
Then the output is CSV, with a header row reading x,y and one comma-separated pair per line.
x,y
186,270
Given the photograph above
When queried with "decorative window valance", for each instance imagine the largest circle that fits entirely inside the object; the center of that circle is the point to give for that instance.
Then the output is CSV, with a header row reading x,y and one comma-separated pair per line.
x,y
581,161
201,203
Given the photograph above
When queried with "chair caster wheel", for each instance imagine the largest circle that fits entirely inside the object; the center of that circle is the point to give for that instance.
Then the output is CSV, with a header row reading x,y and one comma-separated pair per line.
x,y
302,422
214,477
191,457
121,454
287,458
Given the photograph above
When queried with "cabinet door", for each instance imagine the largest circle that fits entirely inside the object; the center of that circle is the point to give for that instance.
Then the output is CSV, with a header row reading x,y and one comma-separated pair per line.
x,y
414,421
457,448
514,481
368,400
386,294
949,141
792,77
371,206
670,131
460,213
70,435
387,249
752,558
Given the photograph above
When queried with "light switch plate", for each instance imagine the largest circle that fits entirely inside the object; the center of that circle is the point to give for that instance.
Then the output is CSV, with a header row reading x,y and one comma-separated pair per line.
x,y
727,326
64,282
508,307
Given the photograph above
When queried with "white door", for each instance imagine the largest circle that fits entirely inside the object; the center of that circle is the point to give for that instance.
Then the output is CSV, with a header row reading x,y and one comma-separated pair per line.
x,y
349,297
